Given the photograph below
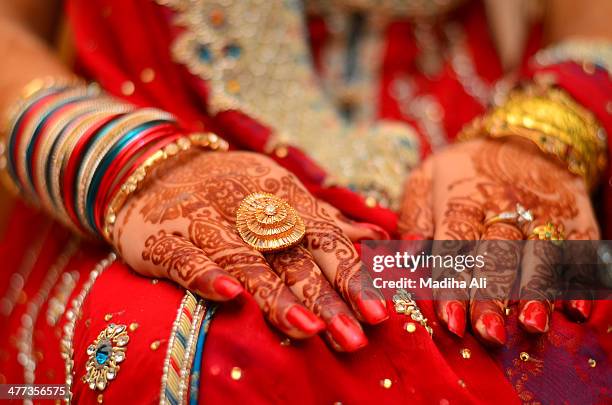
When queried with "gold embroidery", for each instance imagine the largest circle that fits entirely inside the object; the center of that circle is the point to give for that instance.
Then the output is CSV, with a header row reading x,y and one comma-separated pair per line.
x,y
254,57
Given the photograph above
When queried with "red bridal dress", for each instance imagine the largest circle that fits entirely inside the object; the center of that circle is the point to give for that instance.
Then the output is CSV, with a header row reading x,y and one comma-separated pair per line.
x,y
349,102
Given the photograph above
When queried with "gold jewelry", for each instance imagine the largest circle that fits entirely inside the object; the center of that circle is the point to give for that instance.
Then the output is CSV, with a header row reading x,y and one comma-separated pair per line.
x,y
519,217
268,223
548,231
96,153
557,124
208,141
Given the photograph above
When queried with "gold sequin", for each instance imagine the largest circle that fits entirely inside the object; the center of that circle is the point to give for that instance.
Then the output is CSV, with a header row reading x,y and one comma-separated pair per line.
x,y
281,152
100,398
133,326
524,356
155,345
386,383
147,75
236,373
285,342
462,383
371,202
465,353
592,363
127,88
108,317
410,327
154,281
508,311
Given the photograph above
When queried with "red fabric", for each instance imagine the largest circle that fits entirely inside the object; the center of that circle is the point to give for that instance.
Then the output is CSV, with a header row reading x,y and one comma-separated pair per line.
x,y
136,35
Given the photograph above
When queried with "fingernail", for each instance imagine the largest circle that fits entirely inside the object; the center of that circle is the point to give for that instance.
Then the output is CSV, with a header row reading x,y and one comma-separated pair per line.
x,y
347,333
491,327
227,287
534,317
579,309
304,320
371,307
456,317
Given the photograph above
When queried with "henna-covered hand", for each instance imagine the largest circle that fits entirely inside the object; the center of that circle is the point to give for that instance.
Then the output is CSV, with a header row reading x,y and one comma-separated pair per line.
x,y
452,195
182,226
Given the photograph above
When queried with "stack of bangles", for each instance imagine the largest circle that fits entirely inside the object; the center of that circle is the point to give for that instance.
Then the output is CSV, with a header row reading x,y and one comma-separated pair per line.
x,y
81,153
552,120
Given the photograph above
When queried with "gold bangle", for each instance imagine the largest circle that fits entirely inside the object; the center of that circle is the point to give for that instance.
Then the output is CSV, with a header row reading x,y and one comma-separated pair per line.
x,y
557,124
207,141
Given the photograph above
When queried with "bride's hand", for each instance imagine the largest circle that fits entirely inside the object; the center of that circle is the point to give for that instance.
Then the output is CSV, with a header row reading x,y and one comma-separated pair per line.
x,y
454,192
182,226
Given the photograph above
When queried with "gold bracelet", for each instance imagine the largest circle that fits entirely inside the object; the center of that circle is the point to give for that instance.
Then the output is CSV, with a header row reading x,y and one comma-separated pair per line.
x,y
206,141
557,124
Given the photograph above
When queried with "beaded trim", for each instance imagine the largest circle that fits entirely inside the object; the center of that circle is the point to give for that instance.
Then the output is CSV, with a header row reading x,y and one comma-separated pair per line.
x,y
583,52
67,350
181,350
28,320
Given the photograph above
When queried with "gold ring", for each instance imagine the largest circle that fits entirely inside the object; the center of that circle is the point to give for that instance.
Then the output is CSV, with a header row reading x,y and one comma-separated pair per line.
x,y
520,216
548,231
268,223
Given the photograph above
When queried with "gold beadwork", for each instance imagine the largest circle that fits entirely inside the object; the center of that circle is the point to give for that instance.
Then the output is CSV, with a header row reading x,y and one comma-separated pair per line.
x,y
410,327
405,304
592,363
236,373
108,317
386,383
268,223
462,383
524,356
465,353
100,398
133,326
155,345
105,354
73,314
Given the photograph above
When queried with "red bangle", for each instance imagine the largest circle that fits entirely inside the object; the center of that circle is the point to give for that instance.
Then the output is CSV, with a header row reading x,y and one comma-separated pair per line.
x,y
25,119
135,165
36,147
73,165
131,150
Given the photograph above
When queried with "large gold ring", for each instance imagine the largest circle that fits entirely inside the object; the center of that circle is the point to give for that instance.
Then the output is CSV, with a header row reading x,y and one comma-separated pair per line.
x,y
268,223
519,217
548,231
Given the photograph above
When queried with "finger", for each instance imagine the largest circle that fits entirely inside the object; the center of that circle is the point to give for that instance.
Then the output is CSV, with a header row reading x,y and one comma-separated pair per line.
x,y
183,262
340,263
461,221
297,269
416,216
276,301
580,276
501,250
355,231
540,281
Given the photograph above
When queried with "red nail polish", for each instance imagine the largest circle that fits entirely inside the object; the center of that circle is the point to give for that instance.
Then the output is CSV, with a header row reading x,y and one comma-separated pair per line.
x,y
579,309
347,333
534,317
456,317
494,329
227,287
304,320
371,307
